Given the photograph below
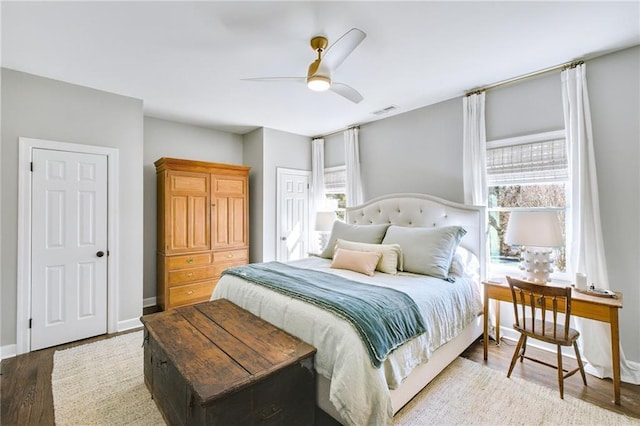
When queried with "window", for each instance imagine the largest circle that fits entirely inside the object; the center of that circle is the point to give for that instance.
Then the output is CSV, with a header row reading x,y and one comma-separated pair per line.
x,y
524,173
335,189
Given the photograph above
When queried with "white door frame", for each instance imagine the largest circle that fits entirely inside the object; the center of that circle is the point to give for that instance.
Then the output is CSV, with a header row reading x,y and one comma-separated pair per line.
x,y
279,172
25,155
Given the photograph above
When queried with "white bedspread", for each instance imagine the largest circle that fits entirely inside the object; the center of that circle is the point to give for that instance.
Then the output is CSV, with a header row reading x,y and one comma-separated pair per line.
x,y
359,391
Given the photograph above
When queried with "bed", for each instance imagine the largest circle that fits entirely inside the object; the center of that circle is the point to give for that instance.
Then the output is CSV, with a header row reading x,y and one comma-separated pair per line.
x,y
343,368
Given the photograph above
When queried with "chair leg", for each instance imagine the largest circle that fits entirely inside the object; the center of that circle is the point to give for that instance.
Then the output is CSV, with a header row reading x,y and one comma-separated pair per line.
x,y
584,377
524,348
516,354
560,372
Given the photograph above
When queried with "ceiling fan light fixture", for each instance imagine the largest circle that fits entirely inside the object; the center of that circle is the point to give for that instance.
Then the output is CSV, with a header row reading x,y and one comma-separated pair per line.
x,y
318,83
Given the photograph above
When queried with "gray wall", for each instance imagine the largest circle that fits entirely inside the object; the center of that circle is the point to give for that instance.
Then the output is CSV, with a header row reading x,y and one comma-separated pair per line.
x,y
417,151
253,154
265,150
164,138
281,149
530,106
41,108
614,92
334,150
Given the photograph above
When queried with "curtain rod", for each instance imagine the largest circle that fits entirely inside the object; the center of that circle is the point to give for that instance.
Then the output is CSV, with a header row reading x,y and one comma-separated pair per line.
x,y
335,132
564,66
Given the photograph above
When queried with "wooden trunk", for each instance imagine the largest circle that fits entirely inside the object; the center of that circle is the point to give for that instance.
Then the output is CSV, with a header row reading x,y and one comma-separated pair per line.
x,y
217,364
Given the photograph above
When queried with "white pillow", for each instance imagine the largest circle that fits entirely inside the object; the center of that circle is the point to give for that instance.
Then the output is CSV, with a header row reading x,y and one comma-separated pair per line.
x,y
465,263
359,261
389,263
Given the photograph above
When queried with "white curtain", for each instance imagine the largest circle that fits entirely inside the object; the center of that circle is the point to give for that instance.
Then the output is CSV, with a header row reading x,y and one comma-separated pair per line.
x,y
474,150
474,167
317,176
317,186
352,162
584,239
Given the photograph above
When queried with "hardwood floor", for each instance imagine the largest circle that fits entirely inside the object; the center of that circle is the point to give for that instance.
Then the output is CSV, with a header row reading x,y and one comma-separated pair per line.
x,y
27,399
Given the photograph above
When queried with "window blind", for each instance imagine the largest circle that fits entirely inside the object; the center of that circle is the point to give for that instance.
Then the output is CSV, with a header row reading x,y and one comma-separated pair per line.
x,y
335,180
535,162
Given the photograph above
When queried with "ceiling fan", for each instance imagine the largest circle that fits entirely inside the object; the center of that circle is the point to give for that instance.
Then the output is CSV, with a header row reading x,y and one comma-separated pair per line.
x,y
329,59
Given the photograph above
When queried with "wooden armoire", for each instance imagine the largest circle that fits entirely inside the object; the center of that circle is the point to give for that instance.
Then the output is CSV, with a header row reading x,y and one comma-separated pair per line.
x,y
203,227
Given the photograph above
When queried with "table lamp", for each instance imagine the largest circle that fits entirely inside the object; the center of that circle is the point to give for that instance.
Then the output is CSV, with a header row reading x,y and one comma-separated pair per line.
x,y
324,224
539,232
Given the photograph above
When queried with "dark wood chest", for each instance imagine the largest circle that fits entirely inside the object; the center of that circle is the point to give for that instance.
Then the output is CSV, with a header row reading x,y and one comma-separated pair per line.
x,y
217,364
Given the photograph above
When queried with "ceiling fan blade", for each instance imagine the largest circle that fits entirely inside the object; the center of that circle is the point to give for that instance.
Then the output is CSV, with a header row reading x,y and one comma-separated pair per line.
x,y
293,79
335,54
346,91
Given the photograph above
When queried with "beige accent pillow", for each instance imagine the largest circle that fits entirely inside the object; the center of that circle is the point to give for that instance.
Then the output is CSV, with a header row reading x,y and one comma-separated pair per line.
x,y
358,261
391,258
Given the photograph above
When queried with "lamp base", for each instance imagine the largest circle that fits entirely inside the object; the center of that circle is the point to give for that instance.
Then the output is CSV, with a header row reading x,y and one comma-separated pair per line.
x,y
323,239
537,264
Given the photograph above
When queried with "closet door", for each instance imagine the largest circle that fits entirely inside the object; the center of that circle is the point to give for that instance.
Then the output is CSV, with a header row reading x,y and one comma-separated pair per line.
x,y
187,212
229,207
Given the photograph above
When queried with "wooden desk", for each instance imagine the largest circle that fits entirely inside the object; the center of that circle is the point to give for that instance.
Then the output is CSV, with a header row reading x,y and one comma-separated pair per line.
x,y
582,305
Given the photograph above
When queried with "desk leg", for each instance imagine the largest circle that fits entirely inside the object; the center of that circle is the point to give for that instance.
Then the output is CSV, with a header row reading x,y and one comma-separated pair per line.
x,y
496,308
615,353
485,336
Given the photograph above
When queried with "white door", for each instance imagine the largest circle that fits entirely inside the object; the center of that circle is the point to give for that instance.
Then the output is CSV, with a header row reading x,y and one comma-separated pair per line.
x,y
293,218
69,247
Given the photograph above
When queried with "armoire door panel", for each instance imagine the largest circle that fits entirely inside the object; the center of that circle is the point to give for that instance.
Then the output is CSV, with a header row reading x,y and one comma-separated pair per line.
x,y
189,183
220,219
177,238
187,225
228,185
199,229
237,222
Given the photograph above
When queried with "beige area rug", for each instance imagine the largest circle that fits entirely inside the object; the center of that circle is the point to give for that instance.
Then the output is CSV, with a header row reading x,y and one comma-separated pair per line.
x,y
102,383
468,393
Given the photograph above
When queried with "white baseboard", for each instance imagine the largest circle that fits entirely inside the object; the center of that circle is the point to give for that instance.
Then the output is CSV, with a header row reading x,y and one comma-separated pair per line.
x,y
8,351
129,324
148,302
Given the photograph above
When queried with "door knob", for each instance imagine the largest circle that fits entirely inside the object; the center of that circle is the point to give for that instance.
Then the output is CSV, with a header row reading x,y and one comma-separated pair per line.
x,y
283,238
100,253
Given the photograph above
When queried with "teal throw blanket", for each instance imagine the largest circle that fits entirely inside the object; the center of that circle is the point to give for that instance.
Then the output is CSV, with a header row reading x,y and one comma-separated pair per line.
x,y
383,317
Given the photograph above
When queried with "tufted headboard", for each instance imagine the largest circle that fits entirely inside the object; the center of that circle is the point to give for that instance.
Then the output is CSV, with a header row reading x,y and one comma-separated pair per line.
x,y
425,211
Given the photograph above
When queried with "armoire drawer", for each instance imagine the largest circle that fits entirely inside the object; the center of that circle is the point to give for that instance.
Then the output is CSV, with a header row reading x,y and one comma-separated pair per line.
x,y
230,255
222,266
186,261
182,276
191,293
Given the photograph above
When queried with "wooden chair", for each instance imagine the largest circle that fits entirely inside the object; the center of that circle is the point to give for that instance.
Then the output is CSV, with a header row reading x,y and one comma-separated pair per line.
x,y
531,299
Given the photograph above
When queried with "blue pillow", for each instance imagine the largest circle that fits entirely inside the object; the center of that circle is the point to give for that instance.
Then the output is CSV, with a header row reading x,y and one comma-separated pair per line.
x,y
426,251
371,234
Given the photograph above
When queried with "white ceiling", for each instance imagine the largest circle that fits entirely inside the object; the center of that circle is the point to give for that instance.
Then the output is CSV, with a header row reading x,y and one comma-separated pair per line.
x,y
185,60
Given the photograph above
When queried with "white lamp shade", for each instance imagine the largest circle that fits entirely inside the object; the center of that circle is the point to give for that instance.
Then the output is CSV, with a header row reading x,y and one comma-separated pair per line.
x,y
324,221
534,229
